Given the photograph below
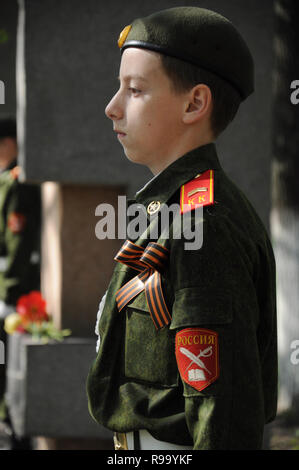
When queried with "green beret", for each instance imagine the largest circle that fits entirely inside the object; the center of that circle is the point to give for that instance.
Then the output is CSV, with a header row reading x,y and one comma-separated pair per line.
x,y
198,36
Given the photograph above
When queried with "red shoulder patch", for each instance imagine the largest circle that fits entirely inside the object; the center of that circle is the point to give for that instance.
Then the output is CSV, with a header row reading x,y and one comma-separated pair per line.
x,y
196,351
197,192
16,222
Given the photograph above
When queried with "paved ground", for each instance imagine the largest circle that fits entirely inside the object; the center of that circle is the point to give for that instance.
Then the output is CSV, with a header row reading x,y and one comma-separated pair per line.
x,y
4,438
283,436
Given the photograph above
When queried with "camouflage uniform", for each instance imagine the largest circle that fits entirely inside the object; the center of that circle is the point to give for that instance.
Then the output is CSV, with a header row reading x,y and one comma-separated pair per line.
x,y
227,288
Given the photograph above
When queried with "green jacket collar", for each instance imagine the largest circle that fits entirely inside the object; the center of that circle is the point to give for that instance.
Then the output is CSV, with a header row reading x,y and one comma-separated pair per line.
x,y
162,186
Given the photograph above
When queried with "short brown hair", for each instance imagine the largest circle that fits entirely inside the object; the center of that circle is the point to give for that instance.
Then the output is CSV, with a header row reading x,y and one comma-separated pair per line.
x,y
226,99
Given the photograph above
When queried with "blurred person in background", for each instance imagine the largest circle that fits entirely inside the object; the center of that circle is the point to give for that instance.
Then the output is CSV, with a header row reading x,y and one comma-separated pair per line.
x,y
19,248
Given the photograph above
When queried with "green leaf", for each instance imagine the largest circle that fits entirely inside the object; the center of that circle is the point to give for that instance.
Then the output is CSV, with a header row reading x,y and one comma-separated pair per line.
x,y
46,330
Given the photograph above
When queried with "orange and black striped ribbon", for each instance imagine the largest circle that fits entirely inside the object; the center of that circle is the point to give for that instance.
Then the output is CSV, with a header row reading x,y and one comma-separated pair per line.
x,y
150,261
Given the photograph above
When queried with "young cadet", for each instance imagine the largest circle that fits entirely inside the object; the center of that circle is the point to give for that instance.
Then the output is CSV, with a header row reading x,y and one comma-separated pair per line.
x,y
187,354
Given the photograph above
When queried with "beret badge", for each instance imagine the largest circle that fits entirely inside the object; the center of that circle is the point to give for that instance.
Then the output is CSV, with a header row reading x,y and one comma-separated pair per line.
x,y
123,36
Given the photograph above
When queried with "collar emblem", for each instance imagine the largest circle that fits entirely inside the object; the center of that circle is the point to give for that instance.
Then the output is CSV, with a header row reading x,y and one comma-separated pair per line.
x,y
153,207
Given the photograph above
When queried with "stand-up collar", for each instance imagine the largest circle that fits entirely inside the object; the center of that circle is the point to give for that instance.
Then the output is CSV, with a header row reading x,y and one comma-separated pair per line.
x,y
164,185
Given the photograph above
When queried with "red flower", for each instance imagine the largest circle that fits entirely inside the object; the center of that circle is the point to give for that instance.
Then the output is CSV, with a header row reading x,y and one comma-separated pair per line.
x,y
32,308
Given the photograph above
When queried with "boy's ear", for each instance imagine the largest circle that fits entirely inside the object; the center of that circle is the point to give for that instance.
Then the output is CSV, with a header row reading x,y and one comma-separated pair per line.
x,y
199,104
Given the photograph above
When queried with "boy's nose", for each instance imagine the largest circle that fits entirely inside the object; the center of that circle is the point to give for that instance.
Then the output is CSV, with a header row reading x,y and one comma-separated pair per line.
x,y
113,110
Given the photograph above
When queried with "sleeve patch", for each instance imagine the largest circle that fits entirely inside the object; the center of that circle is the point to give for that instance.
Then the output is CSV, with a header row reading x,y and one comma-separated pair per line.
x,y
196,351
16,222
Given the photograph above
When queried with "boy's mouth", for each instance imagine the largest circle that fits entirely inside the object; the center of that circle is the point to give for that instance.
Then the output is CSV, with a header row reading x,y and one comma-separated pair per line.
x,y
119,133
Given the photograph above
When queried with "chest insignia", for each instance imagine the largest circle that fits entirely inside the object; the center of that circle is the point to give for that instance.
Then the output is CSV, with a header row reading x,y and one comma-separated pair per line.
x,y
16,222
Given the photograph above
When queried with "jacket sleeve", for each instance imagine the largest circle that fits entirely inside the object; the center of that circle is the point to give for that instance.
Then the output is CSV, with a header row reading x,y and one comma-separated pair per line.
x,y
22,232
215,295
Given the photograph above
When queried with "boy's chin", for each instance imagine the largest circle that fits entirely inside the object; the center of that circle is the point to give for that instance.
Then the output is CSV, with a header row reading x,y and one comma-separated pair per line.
x,y
132,156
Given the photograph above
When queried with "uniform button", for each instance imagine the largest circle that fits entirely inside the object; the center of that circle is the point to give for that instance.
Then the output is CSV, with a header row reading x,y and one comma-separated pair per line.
x,y
153,207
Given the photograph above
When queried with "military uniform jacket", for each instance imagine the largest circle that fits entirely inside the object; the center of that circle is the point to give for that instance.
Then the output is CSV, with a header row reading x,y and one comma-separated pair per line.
x,y
19,236
208,378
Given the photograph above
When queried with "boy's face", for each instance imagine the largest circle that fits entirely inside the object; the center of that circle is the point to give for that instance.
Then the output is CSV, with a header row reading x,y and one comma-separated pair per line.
x,y
146,113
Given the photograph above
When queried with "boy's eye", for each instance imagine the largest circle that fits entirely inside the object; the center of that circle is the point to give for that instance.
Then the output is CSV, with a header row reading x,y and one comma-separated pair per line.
x,y
134,90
